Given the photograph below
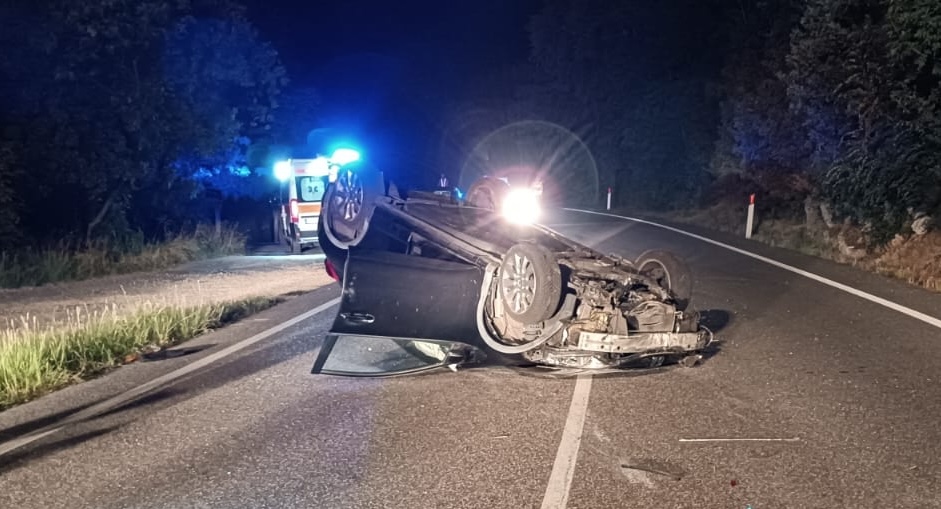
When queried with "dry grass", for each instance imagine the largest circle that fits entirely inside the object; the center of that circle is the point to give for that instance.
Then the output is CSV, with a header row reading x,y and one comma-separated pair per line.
x,y
798,237
35,268
35,361
916,260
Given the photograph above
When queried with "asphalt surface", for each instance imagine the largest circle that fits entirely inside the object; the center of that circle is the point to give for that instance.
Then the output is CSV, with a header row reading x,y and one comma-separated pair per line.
x,y
838,397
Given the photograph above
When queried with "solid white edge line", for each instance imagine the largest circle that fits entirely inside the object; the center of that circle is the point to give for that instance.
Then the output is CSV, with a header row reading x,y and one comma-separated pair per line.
x,y
129,395
930,320
563,469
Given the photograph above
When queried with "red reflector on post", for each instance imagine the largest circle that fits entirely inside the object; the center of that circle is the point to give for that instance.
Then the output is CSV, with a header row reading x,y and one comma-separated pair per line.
x,y
751,199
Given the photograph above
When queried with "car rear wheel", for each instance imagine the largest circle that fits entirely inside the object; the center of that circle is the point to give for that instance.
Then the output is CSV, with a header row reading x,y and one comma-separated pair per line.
x,y
487,193
348,205
669,272
530,283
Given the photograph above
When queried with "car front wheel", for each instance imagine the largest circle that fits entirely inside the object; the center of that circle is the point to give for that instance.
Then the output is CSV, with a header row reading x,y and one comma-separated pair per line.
x,y
530,283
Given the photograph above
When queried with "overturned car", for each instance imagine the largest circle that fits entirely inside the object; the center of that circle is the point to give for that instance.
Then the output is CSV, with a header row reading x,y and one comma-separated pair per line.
x,y
430,283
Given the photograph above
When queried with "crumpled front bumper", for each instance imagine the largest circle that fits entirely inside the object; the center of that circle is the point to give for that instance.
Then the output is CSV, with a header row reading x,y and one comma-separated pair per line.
x,y
600,352
644,342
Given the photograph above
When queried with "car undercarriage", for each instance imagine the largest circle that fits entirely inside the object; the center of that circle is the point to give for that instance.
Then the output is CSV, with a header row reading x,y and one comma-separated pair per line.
x,y
516,291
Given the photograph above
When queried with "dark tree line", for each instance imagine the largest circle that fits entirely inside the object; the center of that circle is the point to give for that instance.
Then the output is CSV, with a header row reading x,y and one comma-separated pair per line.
x,y
833,100
116,116
113,113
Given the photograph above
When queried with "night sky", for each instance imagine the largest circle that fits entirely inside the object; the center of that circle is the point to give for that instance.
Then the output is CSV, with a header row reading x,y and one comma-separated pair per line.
x,y
386,70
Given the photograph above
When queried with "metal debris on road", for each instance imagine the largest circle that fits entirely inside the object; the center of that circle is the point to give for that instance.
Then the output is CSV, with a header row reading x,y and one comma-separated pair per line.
x,y
795,439
659,468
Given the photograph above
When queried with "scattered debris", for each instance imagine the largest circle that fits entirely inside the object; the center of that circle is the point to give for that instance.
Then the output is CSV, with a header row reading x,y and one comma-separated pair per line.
x,y
690,360
639,471
922,224
795,439
171,353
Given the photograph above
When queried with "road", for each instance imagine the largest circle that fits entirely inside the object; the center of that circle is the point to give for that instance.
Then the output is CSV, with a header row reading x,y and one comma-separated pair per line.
x,y
838,398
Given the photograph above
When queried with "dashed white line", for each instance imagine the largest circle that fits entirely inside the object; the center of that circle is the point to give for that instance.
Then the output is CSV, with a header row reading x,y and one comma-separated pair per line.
x,y
563,469
140,390
928,319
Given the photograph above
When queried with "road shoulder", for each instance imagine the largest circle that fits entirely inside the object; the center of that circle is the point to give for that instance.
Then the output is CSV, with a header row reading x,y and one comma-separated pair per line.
x,y
893,290
60,405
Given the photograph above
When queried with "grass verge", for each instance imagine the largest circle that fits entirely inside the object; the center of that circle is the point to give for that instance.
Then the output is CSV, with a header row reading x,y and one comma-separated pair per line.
x,y
34,268
33,363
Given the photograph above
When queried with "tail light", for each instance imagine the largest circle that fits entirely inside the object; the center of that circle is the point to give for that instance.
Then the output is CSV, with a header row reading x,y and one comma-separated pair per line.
x,y
294,210
331,270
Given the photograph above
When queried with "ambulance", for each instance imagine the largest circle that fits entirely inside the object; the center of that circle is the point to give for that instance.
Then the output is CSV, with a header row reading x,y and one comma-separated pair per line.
x,y
306,182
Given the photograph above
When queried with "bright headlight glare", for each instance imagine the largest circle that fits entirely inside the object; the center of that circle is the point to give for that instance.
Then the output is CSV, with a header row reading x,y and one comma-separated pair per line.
x,y
521,206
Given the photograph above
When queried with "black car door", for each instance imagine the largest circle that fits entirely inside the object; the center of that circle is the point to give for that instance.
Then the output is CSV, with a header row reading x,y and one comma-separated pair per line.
x,y
406,296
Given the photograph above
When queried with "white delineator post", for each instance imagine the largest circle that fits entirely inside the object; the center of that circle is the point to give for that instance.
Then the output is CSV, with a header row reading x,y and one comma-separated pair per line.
x,y
751,216
609,198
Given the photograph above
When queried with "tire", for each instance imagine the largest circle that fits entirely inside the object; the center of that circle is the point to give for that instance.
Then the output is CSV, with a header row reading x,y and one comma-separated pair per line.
x,y
530,283
349,203
669,272
487,193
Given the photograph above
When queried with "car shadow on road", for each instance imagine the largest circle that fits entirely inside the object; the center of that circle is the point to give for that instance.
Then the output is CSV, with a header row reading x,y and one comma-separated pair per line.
x,y
716,320
150,399
70,418
18,458
176,392
41,422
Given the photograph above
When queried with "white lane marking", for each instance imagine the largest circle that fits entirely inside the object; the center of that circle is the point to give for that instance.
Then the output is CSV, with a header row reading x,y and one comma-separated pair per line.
x,y
129,395
795,439
930,320
563,470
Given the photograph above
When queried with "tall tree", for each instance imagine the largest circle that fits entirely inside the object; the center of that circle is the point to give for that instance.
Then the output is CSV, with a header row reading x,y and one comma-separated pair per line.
x,y
759,132
122,90
863,74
